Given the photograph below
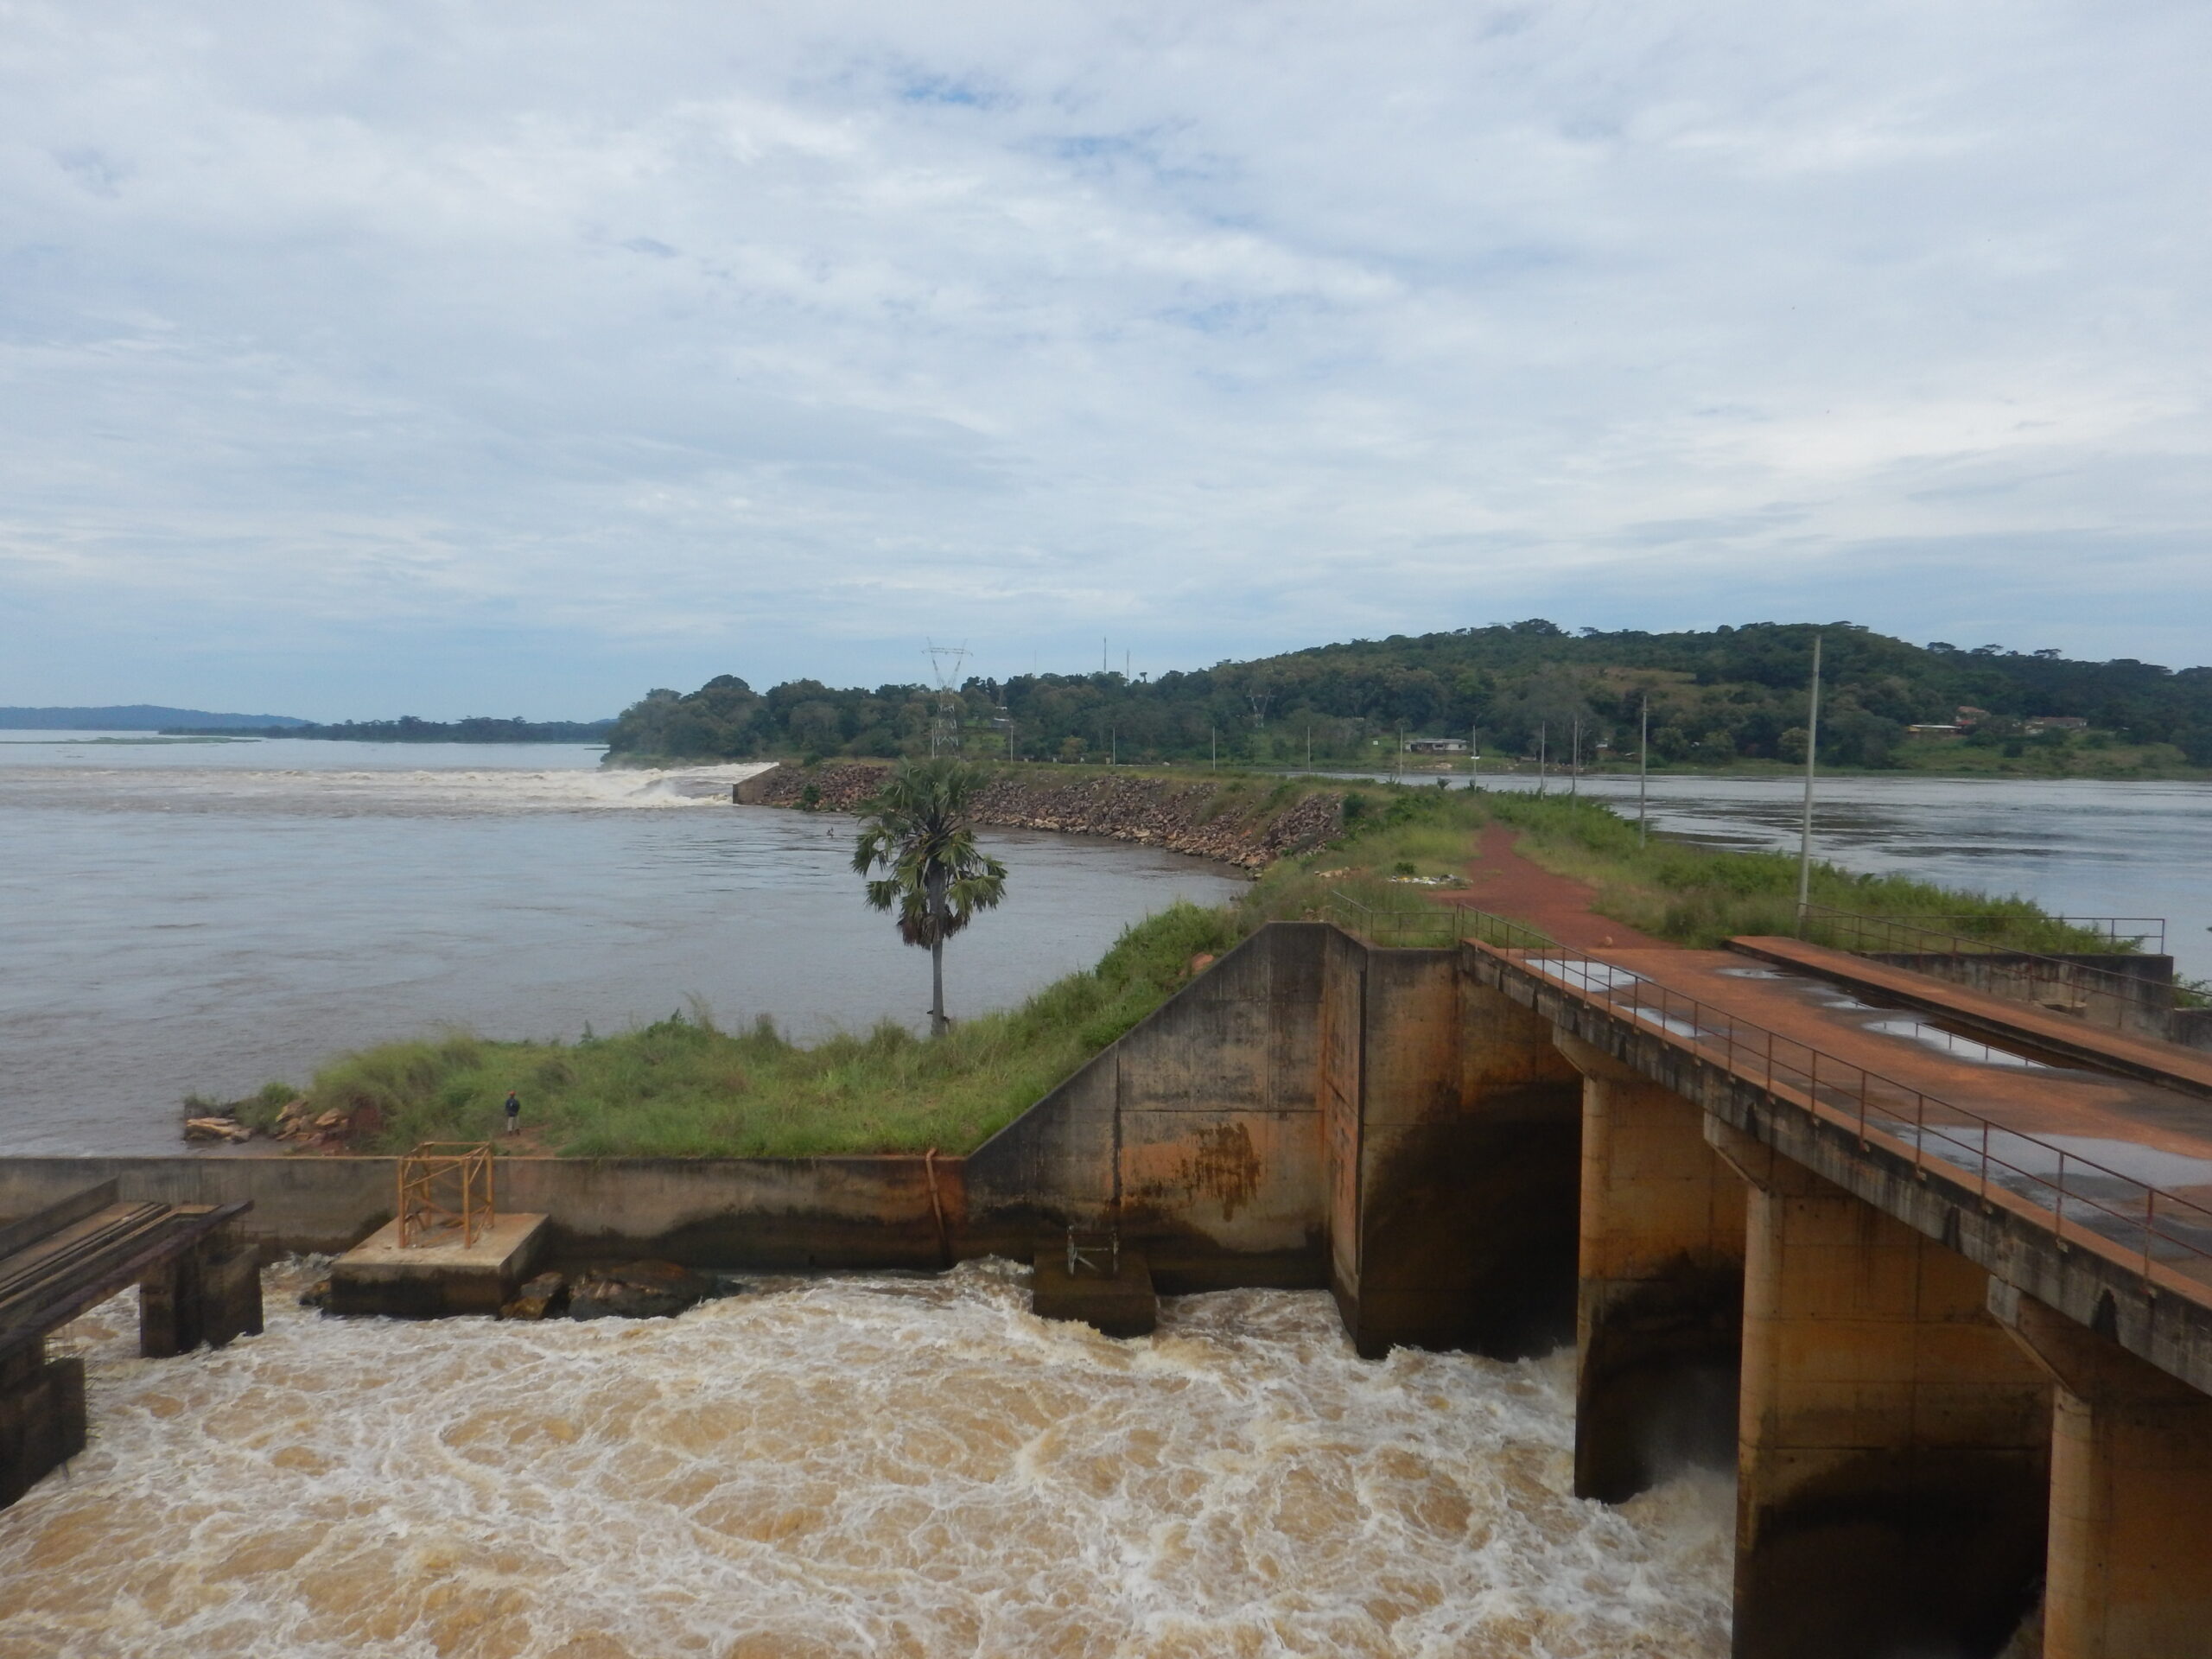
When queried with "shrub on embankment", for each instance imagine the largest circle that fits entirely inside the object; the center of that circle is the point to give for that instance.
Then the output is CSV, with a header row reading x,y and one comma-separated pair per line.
x,y
683,1087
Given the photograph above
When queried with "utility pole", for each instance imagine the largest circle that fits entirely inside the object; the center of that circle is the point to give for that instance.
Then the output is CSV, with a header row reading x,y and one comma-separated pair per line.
x,y
1574,760
1541,734
1398,760
1309,745
1643,771
1474,757
1812,757
1113,743
1213,739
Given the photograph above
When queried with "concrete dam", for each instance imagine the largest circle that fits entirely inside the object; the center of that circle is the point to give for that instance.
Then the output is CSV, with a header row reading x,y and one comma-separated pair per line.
x,y
1930,1269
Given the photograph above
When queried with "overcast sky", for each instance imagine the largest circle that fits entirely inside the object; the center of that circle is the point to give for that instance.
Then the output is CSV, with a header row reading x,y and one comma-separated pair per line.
x,y
360,359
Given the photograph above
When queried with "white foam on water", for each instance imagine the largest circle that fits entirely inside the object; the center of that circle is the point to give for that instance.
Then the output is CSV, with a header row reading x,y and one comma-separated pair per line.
x,y
332,793
844,1466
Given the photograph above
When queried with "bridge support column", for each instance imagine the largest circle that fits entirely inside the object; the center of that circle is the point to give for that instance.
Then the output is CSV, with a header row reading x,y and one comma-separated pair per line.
x,y
41,1416
207,1294
1453,1137
1893,1442
1660,1308
2130,1568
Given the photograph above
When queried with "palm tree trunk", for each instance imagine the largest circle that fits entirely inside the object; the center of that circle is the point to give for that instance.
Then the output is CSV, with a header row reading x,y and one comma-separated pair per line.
x,y
936,988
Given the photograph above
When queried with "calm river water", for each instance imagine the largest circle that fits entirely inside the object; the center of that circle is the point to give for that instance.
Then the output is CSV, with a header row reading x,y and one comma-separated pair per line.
x,y
177,918
2078,847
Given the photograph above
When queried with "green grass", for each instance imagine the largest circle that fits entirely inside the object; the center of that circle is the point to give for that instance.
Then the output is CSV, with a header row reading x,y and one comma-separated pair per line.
x,y
1687,894
683,1088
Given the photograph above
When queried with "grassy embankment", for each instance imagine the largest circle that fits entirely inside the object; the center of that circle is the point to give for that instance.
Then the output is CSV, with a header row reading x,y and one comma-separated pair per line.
x,y
683,1087
1689,895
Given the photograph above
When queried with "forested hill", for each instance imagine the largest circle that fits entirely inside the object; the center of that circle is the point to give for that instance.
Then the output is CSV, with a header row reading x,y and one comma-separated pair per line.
x,y
1716,697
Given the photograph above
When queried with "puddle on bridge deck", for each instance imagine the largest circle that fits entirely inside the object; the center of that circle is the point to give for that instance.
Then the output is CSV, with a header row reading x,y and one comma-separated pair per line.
x,y
844,1466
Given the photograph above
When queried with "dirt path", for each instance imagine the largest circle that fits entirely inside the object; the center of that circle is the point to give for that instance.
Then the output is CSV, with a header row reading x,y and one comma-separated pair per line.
x,y
1506,883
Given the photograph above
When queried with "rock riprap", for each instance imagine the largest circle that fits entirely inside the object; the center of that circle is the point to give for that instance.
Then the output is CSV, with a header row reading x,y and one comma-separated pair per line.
x,y
637,1290
1240,826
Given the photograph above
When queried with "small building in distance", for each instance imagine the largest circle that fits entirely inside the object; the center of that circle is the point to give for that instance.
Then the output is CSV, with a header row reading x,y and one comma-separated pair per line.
x,y
2056,723
1968,716
1932,731
1436,746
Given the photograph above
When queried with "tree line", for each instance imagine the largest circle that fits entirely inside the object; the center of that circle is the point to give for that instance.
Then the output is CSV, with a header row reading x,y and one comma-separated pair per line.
x,y
473,728
1713,697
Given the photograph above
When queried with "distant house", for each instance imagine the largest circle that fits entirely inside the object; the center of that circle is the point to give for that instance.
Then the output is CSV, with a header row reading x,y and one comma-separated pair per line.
x,y
1436,746
2056,723
1968,716
1933,731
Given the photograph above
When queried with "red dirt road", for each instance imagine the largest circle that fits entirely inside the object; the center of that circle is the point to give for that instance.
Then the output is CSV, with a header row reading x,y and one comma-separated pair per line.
x,y
1506,883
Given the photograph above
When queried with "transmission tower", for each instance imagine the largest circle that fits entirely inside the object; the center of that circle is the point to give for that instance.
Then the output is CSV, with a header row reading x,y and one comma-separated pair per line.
x,y
946,663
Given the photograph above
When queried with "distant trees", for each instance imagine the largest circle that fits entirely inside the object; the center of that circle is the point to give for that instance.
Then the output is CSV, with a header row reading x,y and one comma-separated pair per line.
x,y
1725,692
917,832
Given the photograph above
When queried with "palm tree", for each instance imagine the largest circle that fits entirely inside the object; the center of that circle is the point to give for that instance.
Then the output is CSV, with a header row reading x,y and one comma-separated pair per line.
x,y
916,828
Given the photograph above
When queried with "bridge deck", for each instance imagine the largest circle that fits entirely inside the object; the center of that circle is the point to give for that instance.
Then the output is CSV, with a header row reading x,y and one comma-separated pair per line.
x,y
2125,1157
54,1266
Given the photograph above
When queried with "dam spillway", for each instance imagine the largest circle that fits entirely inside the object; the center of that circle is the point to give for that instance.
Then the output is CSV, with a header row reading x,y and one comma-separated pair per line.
x,y
1937,1293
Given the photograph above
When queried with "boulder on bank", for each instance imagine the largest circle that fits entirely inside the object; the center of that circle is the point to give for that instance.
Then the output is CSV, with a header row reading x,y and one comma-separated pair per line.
x,y
216,1128
637,1290
545,1297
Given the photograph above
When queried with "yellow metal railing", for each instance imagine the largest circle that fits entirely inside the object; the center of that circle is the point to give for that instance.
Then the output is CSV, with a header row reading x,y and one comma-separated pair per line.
x,y
445,1185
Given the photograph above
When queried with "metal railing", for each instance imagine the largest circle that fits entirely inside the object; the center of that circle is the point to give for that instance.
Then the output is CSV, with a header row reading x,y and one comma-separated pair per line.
x,y
2124,1219
2126,935
442,1185
1433,926
2141,995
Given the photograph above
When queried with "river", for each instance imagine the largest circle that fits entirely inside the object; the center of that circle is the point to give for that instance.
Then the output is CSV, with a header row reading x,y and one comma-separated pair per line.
x,y
872,1466
178,917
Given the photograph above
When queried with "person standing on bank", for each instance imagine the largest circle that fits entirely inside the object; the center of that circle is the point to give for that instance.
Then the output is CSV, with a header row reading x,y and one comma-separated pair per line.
x,y
514,1114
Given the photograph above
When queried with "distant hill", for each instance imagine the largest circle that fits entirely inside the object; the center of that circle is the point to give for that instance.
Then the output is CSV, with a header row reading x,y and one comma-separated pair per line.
x,y
410,728
134,717
1714,696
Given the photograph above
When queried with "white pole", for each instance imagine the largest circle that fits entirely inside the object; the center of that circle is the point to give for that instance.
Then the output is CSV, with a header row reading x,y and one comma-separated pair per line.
x,y
1812,757
1542,731
1474,756
1643,774
1574,760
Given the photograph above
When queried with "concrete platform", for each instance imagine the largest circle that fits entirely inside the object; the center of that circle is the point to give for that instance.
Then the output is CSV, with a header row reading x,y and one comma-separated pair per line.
x,y
435,1279
1122,1305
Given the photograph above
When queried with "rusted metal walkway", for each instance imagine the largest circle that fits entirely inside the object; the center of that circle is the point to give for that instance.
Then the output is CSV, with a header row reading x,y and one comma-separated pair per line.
x,y
199,1282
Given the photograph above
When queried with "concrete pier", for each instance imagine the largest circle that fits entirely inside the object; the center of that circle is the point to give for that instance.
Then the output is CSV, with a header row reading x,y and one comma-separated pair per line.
x,y
1110,1292
2130,1566
1464,1157
438,1277
42,1423
1894,1442
1660,1303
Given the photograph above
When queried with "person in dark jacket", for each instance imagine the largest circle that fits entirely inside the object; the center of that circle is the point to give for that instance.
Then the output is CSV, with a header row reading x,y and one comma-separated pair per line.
x,y
514,1114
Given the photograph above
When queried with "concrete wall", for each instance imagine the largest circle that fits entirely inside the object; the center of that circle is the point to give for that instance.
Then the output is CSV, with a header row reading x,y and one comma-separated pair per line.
x,y
2130,994
1198,1132
798,1212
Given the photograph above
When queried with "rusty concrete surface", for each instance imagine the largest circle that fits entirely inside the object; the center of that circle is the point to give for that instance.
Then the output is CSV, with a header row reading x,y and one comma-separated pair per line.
x,y
2094,1046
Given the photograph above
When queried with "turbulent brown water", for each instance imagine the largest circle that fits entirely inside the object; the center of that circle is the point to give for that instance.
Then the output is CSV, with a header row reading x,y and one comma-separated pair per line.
x,y
865,1465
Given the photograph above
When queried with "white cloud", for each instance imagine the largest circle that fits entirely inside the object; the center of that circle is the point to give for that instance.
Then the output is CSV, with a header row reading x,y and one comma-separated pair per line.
x,y
788,334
